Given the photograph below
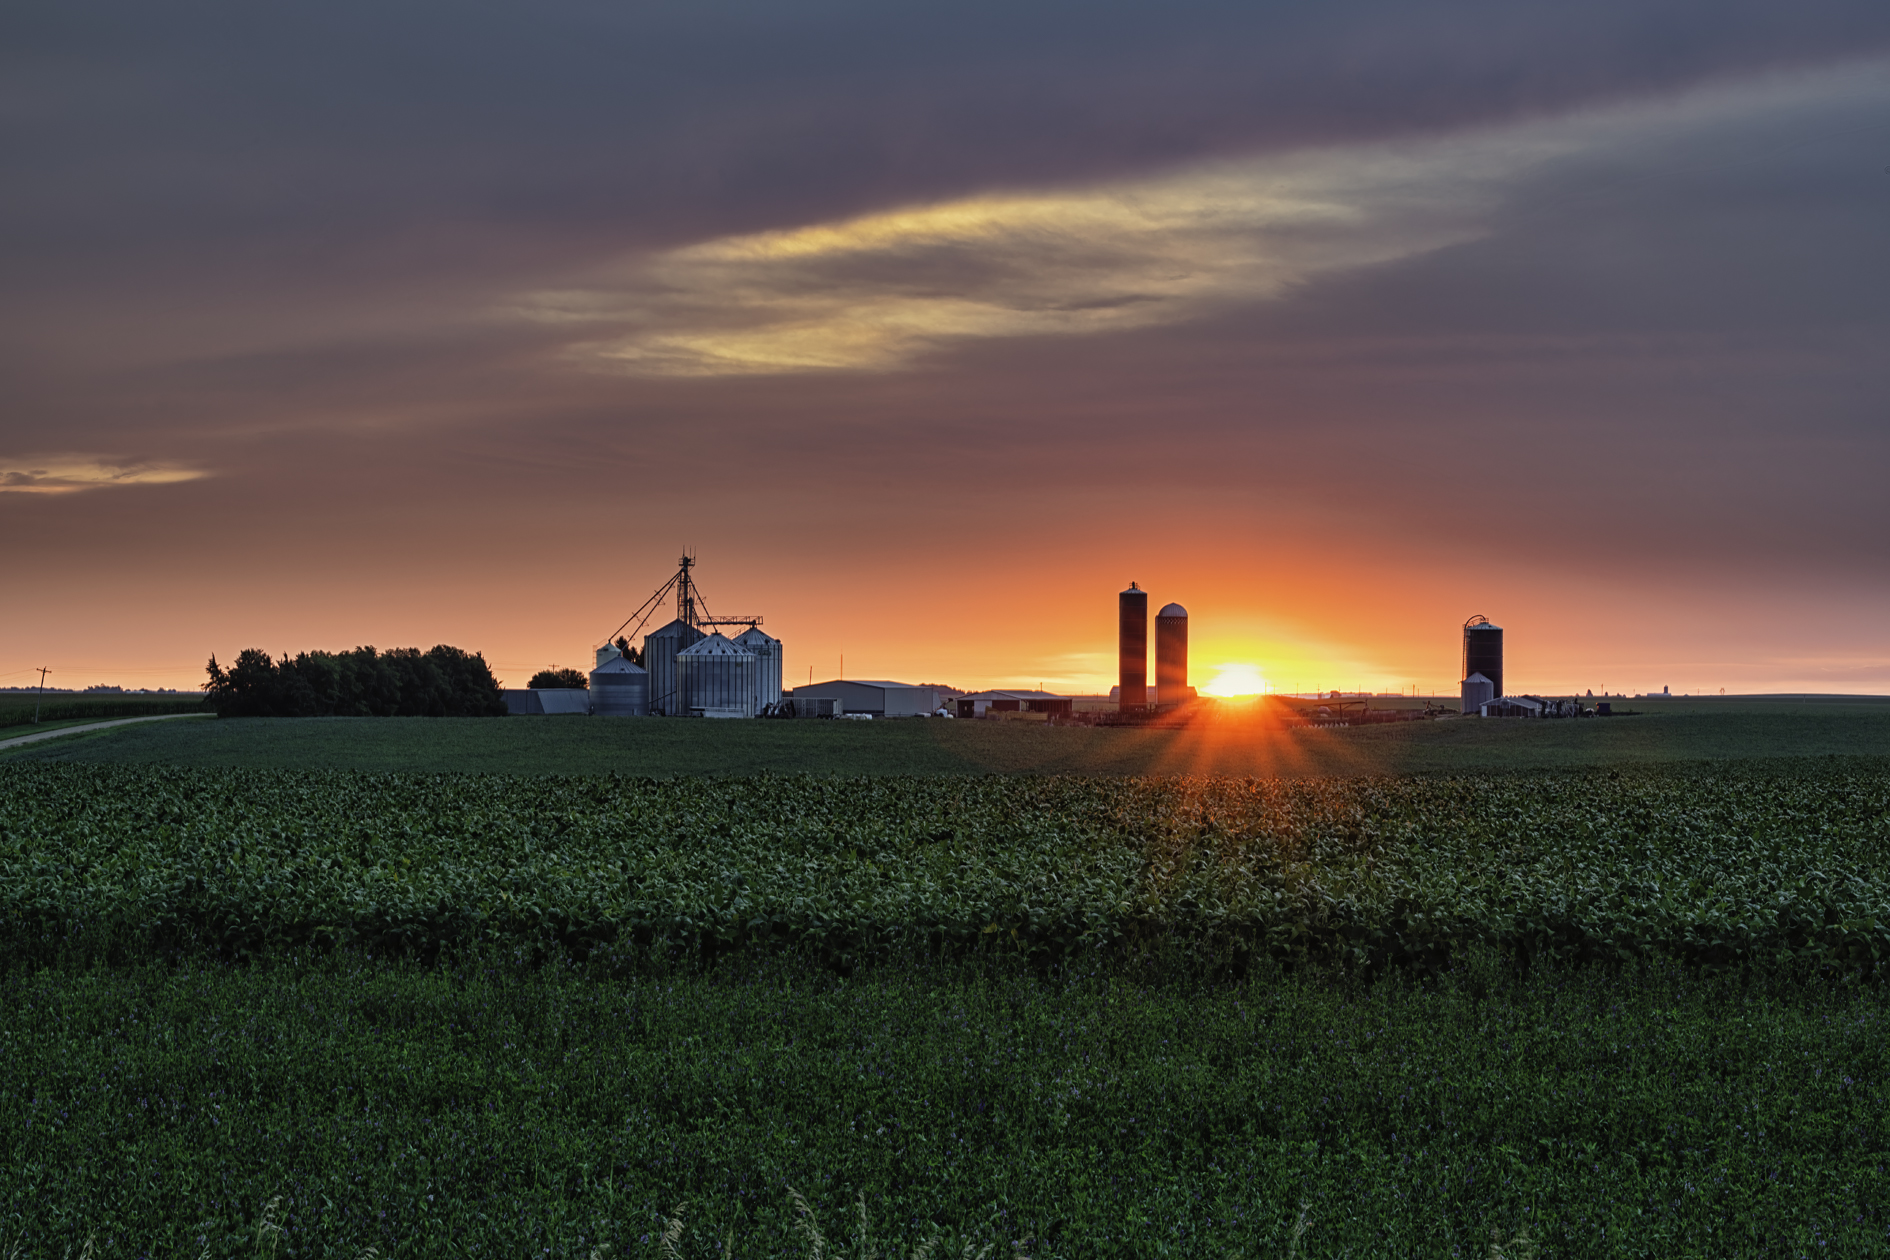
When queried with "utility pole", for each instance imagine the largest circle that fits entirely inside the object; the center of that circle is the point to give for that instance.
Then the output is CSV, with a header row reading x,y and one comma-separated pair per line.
x,y
43,671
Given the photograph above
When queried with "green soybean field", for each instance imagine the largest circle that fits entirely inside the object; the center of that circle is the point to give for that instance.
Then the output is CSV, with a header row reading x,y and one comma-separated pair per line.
x,y
1594,1012
1717,865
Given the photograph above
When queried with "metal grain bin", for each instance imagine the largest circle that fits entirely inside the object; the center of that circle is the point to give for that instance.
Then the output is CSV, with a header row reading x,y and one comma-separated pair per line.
x,y
767,653
717,678
659,658
620,689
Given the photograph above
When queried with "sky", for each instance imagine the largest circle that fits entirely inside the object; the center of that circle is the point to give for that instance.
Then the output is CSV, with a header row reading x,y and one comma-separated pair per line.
x,y
927,328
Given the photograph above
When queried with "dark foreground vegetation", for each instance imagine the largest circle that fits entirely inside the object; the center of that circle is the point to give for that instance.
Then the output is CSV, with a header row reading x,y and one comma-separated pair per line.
x,y
488,1108
401,682
1716,865
1585,1013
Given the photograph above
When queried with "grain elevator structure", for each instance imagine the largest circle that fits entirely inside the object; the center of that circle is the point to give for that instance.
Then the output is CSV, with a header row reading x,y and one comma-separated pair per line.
x,y
689,667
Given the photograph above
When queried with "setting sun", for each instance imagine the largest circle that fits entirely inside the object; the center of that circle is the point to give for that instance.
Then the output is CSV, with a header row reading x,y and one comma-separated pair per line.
x,y
1236,680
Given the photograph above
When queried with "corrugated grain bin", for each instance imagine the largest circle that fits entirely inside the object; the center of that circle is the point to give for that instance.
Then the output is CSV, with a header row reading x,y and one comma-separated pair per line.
x,y
717,678
767,652
620,689
659,658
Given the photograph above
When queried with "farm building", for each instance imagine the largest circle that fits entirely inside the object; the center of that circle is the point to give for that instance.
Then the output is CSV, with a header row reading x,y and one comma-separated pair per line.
x,y
547,700
876,697
981,703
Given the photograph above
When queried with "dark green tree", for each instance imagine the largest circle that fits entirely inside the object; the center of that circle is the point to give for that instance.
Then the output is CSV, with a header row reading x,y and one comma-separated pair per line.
x,y
404,682
566,678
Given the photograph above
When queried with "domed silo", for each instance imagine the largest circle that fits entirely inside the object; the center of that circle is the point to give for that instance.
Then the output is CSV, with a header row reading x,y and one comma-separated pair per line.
x,y
717,678
659,658
767,651
619,689
1132,648
1171,657
1483,652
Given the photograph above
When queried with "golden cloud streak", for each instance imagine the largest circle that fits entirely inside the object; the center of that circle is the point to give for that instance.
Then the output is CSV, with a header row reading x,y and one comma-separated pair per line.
x,y
878,291
70,474
872,293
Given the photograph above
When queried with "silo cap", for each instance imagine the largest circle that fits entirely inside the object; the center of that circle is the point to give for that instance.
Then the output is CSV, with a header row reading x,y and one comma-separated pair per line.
x,y
1173,610
715,645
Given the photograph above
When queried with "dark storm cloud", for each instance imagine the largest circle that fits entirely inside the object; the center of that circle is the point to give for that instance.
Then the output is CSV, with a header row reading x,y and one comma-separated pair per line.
x,y
205,127
221,179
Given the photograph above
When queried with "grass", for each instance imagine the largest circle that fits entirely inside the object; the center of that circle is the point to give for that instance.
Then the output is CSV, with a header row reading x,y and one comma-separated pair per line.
x,y
485,1109
16,729
1665,732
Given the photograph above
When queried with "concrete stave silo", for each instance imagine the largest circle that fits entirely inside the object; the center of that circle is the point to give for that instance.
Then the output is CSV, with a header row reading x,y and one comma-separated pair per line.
x,y
1132,648
1483,652
1171,657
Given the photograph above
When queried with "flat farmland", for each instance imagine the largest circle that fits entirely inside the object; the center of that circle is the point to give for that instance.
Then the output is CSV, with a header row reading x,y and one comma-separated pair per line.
x,y
569,988
1665,732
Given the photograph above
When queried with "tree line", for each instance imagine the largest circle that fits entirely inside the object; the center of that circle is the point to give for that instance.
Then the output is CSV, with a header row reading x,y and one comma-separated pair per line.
x,y
401,682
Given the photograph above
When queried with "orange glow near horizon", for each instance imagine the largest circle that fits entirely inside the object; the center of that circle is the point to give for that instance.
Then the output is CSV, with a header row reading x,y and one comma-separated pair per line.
x,y
1233,679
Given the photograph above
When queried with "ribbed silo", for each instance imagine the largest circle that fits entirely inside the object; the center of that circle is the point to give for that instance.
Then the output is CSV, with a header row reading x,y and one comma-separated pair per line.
x,y
717,678
1132,648
619,689
767,653
1171,656
659,658
1483,651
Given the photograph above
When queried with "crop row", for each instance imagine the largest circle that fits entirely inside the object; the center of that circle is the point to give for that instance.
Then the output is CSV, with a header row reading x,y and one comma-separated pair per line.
x,y
24,710
1720,865
315,1107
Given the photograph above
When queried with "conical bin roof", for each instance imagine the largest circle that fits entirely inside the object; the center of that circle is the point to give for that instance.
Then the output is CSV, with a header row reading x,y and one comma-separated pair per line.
x,y
715,645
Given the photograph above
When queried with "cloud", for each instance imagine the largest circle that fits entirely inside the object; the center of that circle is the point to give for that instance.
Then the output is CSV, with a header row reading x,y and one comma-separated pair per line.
x,y
877,292
69,474
871,293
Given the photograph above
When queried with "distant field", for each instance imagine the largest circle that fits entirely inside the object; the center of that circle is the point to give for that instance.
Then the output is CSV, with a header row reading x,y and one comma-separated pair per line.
x,y
1665,731
18,708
